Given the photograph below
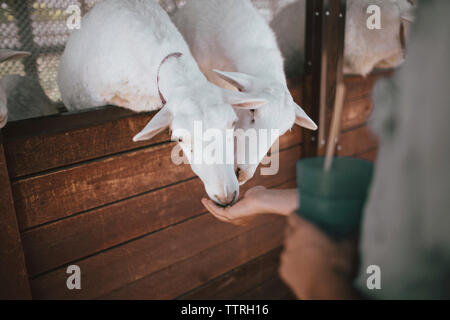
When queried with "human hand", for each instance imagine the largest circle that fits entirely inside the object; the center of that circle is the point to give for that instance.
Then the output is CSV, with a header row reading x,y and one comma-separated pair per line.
x,y
243,211
315,266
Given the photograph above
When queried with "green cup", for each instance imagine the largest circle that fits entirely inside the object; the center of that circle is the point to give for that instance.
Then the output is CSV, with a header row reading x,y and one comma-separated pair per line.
x,y
333,200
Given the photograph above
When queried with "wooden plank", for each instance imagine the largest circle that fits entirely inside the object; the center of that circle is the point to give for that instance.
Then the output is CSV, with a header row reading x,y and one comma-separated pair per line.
x,y
55,244
114,268
291,138
357,141
356,113
173,281
62,193
37,145
272,289
13,274
358,87
239,280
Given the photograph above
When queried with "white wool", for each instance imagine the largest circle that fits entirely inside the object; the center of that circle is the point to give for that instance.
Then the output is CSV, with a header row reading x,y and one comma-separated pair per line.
x,y
232,35
116,54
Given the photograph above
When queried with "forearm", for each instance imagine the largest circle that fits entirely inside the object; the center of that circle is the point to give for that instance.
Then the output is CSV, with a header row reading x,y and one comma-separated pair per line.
x,y
282,202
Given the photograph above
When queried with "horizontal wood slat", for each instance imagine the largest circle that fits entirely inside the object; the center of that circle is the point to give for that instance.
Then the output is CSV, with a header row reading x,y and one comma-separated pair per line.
x,y
66,240
291,138
62,193
114,268
171,282
356,113
63,140
271,289
357,141
358,87
239,280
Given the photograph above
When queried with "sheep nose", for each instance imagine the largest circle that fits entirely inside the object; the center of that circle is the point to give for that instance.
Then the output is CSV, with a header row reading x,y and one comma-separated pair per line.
x,y
227,200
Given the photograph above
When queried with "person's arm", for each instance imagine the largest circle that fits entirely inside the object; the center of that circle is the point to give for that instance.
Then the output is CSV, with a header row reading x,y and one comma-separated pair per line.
x,y
315,266
257,201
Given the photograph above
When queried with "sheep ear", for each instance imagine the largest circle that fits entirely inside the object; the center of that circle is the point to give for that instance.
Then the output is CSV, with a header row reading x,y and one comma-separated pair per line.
x,y
242,100
159,122
239,80
302,119
11,54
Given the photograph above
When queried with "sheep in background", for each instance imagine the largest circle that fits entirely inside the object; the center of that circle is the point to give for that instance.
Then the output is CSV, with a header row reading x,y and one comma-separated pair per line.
x,y
231,35
364,49
128,53
21,97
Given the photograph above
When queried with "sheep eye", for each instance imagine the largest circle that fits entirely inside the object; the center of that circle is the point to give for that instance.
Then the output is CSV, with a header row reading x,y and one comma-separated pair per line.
x,y
180,140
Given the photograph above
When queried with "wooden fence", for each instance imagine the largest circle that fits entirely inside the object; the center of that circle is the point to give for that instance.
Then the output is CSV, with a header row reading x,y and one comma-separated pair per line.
x,y
77,190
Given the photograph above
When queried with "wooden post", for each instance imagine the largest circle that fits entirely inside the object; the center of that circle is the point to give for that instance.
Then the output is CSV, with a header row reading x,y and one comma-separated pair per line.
x,y
14,282
325,32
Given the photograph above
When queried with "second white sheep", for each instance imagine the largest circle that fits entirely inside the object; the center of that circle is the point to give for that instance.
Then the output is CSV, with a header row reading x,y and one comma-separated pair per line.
x,y
231,35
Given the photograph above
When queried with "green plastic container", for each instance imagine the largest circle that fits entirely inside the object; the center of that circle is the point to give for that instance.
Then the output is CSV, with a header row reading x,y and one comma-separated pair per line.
x,y
334,200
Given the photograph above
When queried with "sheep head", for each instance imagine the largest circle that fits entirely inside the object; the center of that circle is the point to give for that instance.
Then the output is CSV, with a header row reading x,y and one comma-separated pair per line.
x,y
266,122
6,55
202,123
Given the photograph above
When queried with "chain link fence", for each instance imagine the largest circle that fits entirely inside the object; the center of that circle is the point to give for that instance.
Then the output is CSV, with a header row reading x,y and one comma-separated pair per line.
x,y
39,26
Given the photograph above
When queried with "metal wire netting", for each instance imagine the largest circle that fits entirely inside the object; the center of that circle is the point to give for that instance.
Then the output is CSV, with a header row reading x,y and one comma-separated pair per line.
x,y
39,26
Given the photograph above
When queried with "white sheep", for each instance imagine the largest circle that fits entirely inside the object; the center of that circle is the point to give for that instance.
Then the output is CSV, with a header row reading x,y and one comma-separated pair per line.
x,y
365,49
128,53
21,97
231,35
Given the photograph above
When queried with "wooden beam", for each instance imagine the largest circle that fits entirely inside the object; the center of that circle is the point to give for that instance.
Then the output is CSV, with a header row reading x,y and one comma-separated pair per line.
x,y
13,273
325,31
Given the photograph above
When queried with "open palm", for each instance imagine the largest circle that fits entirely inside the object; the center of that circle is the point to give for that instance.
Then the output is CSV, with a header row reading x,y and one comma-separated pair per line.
x,y
241,212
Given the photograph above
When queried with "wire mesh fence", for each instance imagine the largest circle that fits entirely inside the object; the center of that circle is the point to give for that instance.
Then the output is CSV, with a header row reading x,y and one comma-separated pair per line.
x,y
39,26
